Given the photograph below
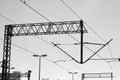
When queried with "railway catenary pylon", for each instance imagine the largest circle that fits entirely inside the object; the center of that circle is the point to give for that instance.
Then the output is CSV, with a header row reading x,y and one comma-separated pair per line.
x,y
45,28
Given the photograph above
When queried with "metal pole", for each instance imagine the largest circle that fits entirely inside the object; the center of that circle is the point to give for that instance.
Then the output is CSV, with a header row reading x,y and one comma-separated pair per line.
x,y
73,76
111,76
72,73
44,55
82,76
81,24
29,74
39,66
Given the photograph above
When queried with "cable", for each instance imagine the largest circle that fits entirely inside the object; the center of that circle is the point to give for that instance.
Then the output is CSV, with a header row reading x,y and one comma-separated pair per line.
x,y
109,48
35,36
95,32
93,52
27,49
57,64
35,53
70,9
7,18
84,46
44,41
81,19
116,70
44,16
85,23
40,15
35,10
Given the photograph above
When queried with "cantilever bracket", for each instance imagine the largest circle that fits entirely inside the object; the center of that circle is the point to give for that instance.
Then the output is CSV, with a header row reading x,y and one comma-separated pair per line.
x,y
98,50
77,60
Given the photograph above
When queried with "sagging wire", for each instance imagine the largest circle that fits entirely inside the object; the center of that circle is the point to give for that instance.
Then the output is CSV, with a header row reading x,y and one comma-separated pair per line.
x,y
35,10
84,21
28,49
92,30
81,19
49,20
33,53
35,36
7,18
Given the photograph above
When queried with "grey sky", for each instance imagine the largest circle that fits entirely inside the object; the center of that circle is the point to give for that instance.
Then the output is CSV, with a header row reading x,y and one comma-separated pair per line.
x,y
102,15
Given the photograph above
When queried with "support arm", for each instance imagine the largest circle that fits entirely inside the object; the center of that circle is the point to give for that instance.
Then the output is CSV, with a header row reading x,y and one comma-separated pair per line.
x,y
98,50
65,52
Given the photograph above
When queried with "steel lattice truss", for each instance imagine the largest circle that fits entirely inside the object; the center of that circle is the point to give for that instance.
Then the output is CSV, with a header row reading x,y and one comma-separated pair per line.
x,y
47,28
66,27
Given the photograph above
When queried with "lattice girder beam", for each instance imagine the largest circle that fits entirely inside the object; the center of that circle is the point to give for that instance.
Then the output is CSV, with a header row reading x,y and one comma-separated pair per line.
x,y
47,28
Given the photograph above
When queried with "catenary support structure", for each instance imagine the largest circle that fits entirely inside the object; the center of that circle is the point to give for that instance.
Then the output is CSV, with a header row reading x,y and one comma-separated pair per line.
x,y
31,29
46,28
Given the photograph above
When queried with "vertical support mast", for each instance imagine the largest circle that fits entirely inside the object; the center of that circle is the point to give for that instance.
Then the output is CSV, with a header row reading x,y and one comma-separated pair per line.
x,y
6,53
81,50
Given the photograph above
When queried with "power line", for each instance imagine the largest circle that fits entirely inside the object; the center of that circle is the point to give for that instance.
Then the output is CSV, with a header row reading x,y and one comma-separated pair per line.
x,y
35,53
85,46
40,15
91,29
93,52
27,50
57,64
35,10
35,36
44,16
7,18
71,9
81,19
86,24
30,50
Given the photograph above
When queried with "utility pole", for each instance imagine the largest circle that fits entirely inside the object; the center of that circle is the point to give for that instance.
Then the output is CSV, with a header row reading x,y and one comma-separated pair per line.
x,y
73,73
29,74
40,56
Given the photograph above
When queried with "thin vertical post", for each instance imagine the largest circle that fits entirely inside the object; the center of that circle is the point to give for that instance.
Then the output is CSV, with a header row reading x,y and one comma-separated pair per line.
x,y
111,76
82,76
29,74
39,66
81,26
72,76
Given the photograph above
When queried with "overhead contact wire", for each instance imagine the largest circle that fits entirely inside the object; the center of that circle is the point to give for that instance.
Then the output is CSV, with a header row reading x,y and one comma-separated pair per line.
x,y
29,50
7,18
35,11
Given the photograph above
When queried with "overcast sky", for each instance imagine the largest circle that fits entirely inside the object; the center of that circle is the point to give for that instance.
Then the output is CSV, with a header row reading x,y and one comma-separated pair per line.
x,y
101,15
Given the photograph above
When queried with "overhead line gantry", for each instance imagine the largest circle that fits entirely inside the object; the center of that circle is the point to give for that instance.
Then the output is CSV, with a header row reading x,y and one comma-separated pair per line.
x,y
32,29
45,28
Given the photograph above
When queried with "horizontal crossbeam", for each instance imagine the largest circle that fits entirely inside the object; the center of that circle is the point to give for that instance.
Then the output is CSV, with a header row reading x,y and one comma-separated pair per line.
x,y
47,28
